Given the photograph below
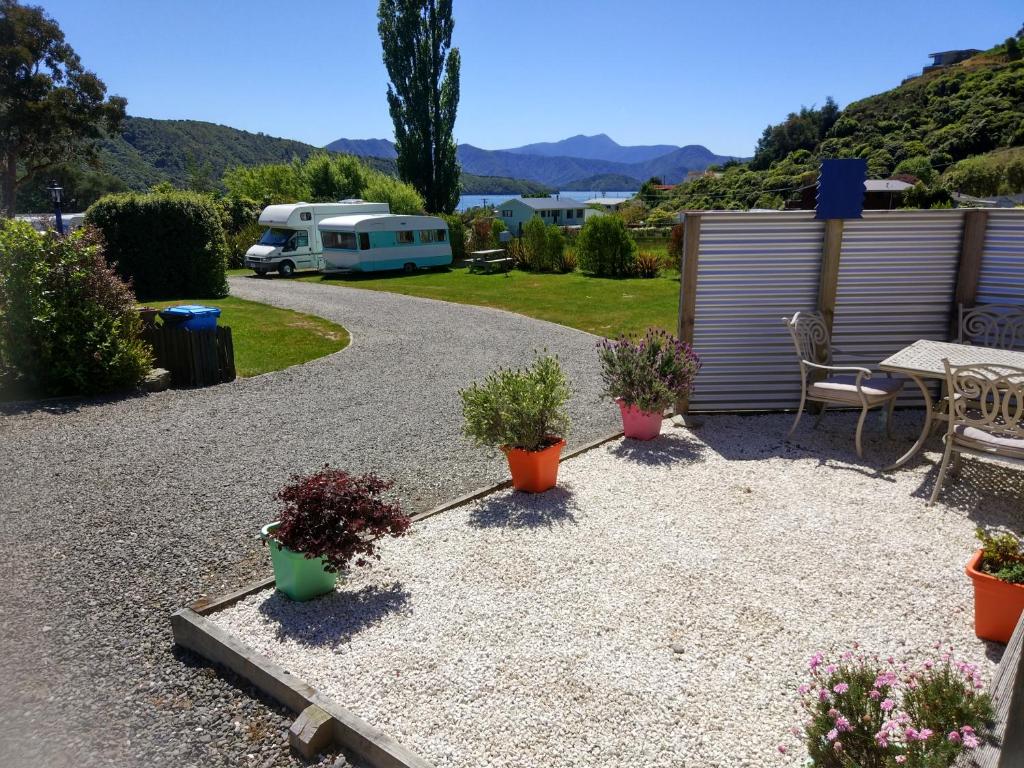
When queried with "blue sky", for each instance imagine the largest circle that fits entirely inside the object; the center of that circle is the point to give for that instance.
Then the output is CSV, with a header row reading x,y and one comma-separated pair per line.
x,y
644,72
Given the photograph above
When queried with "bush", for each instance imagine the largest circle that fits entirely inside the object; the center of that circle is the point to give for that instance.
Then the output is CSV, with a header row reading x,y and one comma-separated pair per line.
x,y
675,244
1001,556
169,245
337,516
862,711
542,248
518,408
647,264
978,176
402,197
481,235
68,324
605,248
456,235
241,241
652,373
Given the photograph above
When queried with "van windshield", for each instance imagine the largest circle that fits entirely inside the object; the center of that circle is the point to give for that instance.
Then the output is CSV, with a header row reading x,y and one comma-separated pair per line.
x,y
275,237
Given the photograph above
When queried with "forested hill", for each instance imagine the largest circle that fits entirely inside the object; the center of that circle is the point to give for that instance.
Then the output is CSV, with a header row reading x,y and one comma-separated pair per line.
x,y
195,153
954,129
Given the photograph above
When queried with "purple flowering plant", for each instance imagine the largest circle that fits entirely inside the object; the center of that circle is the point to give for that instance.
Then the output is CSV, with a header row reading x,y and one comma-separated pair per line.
x,y
651,372
866,712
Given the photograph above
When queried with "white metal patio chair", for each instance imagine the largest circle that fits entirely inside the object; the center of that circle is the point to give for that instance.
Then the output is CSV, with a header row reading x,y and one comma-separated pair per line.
x,y
986,418
1000,326
828,384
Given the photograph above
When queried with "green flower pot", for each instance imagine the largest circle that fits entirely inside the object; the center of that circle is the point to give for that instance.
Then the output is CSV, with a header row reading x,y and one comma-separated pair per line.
x,y
299,577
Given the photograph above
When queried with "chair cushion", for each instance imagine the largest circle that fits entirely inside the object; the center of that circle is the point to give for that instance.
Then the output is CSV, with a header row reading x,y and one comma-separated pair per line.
x,y
843,388
980,440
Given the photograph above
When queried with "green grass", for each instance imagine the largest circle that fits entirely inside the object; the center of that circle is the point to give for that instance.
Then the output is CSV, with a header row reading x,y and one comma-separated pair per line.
x,y
603,306
267,338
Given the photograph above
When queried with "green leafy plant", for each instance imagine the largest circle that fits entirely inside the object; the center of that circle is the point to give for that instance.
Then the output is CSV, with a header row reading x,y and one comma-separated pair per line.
x,y
647,264
604,247
337,516
651,373
866,712
1001,555
518,408
168,244
68,324
456,235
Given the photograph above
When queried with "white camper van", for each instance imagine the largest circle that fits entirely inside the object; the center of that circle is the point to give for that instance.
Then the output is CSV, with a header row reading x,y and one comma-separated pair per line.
x,y
292,241
383,241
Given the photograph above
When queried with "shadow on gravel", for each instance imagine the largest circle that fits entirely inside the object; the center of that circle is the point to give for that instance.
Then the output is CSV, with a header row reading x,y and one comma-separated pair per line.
x,y
661,451
526,510
988,493
59,406
334,618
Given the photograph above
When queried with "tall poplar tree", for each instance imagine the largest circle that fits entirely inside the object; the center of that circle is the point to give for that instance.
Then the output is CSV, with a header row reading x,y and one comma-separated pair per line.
x,y
423,95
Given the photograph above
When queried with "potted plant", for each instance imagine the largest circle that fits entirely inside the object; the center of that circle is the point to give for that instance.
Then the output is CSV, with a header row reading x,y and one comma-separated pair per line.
x,y
328,519
523,413
645,377
997,571
861,710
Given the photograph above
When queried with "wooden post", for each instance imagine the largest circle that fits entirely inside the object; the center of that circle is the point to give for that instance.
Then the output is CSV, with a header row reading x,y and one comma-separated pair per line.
x,y
828,281
972,248
688,287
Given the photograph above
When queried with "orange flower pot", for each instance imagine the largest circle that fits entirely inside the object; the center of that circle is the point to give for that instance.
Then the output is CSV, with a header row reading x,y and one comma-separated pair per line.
x,y
534,471
997,604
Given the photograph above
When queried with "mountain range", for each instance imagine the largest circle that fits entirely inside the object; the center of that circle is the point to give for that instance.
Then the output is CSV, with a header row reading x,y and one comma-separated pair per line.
x,y
565,164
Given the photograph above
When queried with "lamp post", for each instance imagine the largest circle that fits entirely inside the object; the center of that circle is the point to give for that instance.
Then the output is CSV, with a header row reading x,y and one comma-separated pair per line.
x,y
57,195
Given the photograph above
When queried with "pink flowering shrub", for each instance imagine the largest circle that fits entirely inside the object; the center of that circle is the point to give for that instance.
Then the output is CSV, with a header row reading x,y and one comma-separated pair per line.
x,y
871,713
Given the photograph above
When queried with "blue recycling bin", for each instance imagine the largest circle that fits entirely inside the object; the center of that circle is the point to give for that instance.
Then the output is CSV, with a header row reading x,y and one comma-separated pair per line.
x,y
192,317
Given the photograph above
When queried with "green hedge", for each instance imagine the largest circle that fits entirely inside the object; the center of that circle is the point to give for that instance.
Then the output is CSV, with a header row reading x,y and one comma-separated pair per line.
x,y
68,323
169,245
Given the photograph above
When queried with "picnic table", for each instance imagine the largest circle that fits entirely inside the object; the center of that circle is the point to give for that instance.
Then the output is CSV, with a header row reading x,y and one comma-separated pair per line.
x,y
489,261
922,362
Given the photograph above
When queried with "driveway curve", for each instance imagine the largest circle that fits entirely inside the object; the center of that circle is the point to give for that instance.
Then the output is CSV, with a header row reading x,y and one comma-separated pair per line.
x,y
116,513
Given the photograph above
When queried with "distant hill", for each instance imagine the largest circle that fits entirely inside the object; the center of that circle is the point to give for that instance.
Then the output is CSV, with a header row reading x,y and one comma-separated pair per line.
x,y
561,171
150,151
606,182
599,147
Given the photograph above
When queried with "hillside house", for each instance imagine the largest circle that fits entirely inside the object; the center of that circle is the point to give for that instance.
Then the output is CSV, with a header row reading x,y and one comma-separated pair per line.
x,y
563,212
948,58
879,195
608,204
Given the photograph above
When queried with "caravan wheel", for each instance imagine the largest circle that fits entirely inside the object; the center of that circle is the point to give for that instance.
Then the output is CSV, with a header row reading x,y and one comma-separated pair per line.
x,y
409,268
286,269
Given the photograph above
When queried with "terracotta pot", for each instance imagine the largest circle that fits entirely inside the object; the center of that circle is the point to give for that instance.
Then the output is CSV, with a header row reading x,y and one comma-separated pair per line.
x,y
534,471
997,604
637,424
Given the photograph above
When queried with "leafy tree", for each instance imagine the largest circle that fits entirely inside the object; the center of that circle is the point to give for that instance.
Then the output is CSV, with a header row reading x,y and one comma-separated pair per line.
x,y
1012,49
51,109
975,176
800,130
1015,174
423,95
535,243
919,167
401,197
605,248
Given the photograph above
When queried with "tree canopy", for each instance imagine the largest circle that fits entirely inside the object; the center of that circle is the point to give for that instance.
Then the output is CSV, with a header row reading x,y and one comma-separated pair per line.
x,y
423,95
51,109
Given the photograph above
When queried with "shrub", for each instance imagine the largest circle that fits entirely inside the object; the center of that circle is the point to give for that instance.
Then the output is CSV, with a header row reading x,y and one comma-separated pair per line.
x,y
402,197
554,249
518,408
68,324
652,373
169,245
976,176
569,261
675,244
605,248
1001,556
647,264
535,244
241,241
337,516
456,235
481,235
862,711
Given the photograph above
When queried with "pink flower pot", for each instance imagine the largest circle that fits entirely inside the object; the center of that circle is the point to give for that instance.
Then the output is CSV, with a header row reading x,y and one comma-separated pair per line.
x,y
637,424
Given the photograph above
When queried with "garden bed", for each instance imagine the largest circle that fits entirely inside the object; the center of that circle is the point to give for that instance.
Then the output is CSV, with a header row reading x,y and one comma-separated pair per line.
x,y
657,608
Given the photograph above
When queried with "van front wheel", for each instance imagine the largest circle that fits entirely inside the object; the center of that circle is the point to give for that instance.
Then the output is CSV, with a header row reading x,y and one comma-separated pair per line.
x,y
409,268
286,269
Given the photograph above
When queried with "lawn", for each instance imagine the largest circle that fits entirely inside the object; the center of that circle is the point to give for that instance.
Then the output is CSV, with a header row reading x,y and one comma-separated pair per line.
x,y
267,338
603,306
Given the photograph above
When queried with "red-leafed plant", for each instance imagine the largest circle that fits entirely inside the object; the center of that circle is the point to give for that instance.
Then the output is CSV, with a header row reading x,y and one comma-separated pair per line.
x,y
337,516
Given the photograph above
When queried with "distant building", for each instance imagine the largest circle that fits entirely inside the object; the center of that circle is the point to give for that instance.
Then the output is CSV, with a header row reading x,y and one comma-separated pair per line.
x,y
948,58
664,187
44,221
564,212
610,204
879,195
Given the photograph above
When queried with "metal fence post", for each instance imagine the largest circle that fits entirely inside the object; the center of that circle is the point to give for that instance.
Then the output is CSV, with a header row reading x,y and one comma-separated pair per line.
x,y
688,286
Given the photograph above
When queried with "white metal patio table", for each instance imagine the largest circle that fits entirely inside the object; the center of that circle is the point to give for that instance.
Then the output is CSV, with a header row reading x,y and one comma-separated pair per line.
x,y
922,362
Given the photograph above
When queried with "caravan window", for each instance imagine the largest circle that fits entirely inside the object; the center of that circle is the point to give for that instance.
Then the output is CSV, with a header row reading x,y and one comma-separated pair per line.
x,y
405,236
275,237
427,235
346,241
305,216
442,235
364,241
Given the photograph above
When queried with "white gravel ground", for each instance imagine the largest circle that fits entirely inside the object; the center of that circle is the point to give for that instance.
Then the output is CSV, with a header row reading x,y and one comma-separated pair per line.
x,y
657,609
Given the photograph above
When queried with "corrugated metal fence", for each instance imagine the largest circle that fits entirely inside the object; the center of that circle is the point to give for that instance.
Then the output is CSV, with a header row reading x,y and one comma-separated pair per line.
x,y
897,277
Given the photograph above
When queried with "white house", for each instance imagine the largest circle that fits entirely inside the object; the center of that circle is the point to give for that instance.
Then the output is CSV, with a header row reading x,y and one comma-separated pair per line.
x,y
563,212
609,204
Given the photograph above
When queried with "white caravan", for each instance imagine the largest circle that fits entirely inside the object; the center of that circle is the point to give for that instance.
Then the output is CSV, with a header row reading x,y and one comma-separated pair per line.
x,y
292,241
374,242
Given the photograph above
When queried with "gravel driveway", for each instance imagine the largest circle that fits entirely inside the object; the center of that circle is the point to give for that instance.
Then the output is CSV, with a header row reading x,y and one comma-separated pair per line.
x,y
117,513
